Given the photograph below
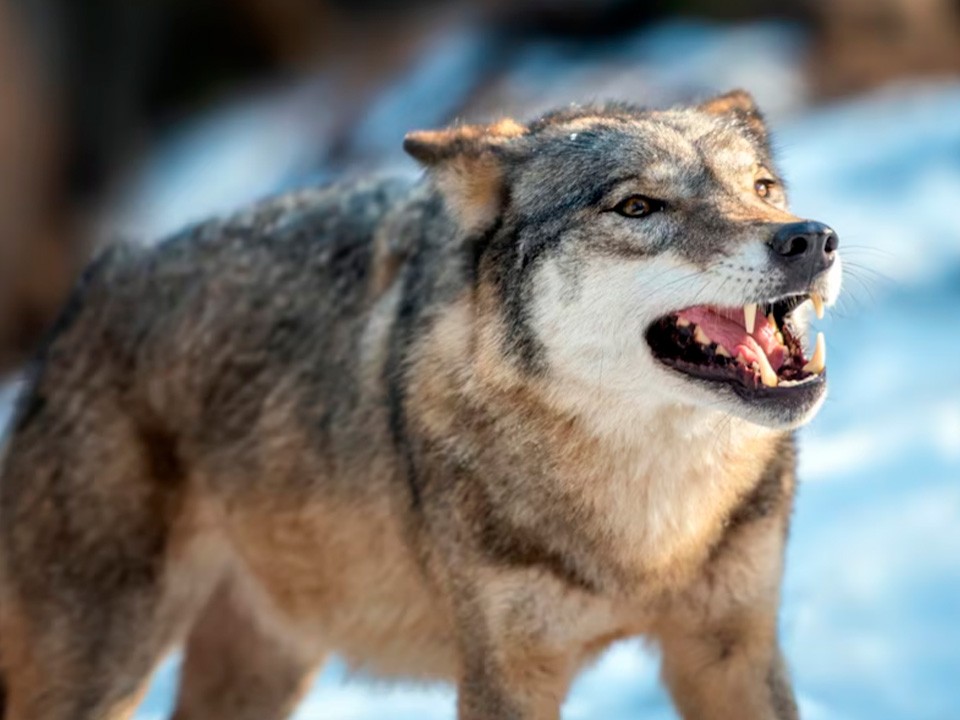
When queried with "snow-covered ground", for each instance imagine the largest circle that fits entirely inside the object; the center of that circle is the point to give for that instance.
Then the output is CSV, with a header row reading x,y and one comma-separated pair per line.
x,y
871,613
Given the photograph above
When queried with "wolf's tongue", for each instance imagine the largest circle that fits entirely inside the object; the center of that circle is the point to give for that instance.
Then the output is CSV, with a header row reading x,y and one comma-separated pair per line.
x,y
727,329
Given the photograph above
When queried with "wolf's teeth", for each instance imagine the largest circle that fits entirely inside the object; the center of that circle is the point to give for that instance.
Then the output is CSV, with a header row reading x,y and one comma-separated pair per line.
x,y
722,351
682,322
817,301
750,316
772,321
768,376
818,362
700,336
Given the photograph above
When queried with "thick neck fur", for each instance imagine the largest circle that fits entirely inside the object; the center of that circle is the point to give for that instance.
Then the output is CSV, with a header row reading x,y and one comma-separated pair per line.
x,y
650,482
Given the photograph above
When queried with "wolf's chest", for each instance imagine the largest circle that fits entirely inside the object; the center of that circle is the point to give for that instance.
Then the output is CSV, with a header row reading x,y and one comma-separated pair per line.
x,y
661,510
667,510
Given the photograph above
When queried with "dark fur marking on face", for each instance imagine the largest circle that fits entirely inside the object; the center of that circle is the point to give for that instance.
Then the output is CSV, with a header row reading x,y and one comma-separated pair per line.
x,y
625,249
512,263
574,200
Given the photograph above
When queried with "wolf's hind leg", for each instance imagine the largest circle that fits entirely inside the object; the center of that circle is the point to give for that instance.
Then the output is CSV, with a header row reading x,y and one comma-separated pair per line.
x,y
106,557
237,668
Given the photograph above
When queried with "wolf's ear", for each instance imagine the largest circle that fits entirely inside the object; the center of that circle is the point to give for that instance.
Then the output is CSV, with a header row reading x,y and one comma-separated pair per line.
x,y
738,104
467,165
735,101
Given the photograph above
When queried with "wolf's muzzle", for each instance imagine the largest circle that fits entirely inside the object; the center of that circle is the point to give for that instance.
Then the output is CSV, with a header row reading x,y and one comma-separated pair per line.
x,y
807,247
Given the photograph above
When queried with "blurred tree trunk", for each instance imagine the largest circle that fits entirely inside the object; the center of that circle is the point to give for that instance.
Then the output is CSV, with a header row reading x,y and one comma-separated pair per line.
x,y
862,44
36,260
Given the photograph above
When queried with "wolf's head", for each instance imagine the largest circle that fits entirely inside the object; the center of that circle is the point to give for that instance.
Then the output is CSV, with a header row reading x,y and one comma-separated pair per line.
x,y
649,252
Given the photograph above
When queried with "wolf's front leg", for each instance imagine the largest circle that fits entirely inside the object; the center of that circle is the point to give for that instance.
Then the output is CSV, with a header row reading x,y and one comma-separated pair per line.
x,y
491,690
514,665
729,671
721,656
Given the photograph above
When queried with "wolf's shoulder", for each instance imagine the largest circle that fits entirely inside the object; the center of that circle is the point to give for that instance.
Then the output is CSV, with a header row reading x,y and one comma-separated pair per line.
x,y
348,208
320,233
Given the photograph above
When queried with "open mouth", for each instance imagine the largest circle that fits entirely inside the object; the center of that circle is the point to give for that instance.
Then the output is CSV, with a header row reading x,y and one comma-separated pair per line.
x,y
756,348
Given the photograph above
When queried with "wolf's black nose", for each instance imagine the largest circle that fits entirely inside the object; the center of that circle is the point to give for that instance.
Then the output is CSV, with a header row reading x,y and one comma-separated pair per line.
x,y
808,243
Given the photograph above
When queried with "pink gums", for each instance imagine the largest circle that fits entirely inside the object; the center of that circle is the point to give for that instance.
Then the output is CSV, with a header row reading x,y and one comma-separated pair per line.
x,y
726,327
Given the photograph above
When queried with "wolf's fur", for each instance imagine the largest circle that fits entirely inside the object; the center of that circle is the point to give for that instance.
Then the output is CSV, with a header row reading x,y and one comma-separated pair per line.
x,y
417,426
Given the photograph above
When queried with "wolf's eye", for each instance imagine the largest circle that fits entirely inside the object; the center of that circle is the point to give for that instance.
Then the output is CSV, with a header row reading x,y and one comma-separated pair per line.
x,y
764,186
638,206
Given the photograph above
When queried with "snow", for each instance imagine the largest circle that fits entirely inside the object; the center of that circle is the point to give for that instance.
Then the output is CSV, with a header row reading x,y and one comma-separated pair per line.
x,y
871,611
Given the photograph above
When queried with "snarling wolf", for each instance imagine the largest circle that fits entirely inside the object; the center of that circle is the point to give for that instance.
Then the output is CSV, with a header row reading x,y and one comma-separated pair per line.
x,y
476,427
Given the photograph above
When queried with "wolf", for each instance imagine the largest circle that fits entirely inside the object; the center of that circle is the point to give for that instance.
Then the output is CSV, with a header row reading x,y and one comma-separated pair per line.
x,y
472,427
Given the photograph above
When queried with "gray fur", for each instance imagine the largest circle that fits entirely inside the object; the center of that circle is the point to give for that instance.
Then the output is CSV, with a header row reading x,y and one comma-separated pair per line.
x,y
227,435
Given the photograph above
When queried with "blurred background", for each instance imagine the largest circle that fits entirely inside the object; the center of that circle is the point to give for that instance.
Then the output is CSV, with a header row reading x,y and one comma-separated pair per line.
x,y
131,118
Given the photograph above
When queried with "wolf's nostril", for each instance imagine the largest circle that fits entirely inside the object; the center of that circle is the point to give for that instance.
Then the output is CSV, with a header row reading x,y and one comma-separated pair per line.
x,y
795,246
833,242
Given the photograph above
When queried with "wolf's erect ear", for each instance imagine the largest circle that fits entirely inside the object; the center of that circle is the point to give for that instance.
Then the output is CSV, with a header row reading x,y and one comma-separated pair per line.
x,y
735,101
432,147
740,105
467,165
